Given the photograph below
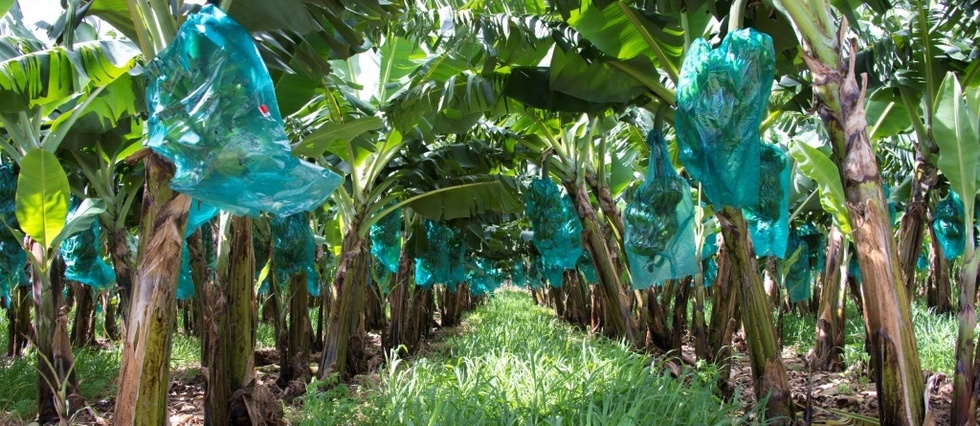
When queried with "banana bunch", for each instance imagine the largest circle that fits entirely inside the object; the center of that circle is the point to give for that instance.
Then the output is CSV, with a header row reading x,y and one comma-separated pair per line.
x,y
949,225
772,163
557,229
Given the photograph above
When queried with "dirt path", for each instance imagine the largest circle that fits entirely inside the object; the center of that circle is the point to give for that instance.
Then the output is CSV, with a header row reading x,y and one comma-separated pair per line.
x,y
848,397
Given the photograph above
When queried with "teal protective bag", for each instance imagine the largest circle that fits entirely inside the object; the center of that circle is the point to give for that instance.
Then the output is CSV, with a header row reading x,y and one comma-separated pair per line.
x,y
587,267
82,253
213,113
436,264
557,228
386,240
769,218
13,258
949,226
722,95
797,280
185,281
294,250
659,222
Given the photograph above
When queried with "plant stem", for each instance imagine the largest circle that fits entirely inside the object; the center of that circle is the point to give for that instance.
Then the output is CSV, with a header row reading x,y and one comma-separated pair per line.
x,y
734,16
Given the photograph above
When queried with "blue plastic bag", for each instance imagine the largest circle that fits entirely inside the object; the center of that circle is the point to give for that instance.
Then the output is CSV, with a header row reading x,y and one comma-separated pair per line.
x,y
294,250
214,114
83,255
13,258
659,222
557,228
587,267
769,218
722,96
798,280
386,240
185,281
442,262
949,226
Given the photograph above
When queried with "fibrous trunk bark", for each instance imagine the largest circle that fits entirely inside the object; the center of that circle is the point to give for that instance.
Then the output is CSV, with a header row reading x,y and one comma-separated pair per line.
x,y
894,356
205,296
122,263
826,354
109,316
451,308
911,231
938,291
232,330
144,376
724,320
82,328
616,302
351,281
19,314
374,313
768,371
297,358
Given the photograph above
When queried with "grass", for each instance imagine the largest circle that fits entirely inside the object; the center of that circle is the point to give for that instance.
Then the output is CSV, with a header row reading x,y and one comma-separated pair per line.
x,y
935,336
97,371
516,363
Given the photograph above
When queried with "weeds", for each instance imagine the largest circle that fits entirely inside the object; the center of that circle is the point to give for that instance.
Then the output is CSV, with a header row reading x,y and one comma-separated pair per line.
x,y
518,364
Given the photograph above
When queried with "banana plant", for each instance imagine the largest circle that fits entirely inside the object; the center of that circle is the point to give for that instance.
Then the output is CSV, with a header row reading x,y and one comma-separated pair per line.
x,y
45,92
839,99
42,209
956,129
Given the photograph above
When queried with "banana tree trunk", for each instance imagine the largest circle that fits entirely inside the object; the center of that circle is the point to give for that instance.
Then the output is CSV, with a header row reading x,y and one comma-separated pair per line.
x,y
232,341
203,304
938,291
399,332
911,229
699,329
725,318
557,300
19,315
374,311
894,356
655,316
297,358
144,376
82,328
681,296
576,308
109,316
122,263
451,306
963,410
351,282
56,377
616,301
827,355
767,366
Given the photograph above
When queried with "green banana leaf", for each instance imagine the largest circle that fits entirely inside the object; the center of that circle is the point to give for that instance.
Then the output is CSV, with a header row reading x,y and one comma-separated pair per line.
x,y
817,166
955,130
55,74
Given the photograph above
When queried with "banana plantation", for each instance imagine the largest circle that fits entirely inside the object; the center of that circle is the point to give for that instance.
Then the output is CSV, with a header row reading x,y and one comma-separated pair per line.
x,y
489,212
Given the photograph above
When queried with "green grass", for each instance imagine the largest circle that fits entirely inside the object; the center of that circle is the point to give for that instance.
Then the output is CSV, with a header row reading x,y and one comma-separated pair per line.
x,y
265,336
935,336
517,364
97,371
